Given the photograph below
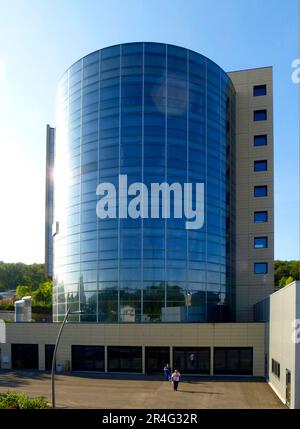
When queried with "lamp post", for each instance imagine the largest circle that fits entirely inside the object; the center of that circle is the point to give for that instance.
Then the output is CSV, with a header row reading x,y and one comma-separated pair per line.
x,y
55,350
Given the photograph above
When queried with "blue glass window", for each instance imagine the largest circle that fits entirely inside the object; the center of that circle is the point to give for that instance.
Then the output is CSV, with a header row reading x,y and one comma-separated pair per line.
x,y
260,216
260,242
259,90
260,115
184,130
261,165
260,268
261,140
260,191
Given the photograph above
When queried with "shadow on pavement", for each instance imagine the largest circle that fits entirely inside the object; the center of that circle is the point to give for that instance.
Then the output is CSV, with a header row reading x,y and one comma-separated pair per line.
x,y
19,377
10,378
200,392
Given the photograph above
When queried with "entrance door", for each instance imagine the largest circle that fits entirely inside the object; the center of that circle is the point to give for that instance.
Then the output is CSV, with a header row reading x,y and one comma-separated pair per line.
x,y
156,359
49,350
288,388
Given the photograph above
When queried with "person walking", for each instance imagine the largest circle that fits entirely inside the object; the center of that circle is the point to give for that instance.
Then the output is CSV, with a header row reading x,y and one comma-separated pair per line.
x,y
175,378
167,371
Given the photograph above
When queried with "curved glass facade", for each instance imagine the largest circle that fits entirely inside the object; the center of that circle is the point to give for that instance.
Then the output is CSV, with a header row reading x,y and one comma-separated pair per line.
x,y
157,113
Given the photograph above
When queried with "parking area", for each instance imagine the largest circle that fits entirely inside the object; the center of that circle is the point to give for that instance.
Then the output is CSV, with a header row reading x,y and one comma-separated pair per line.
x,y
83,391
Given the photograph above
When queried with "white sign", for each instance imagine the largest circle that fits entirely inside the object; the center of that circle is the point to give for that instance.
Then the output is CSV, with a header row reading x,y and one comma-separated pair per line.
x,y
138,207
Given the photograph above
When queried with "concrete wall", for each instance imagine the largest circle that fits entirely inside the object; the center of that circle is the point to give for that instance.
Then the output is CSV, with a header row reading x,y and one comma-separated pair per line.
x,y
172,335
284,310
252,288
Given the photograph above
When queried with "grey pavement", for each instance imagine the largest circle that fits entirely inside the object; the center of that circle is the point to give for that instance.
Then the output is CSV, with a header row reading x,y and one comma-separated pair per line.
x,y
135,391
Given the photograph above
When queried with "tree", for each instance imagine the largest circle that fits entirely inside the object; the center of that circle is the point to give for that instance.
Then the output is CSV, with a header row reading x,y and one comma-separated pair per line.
x,y
282,281
284,270
289,280
14,274
22,291
43,294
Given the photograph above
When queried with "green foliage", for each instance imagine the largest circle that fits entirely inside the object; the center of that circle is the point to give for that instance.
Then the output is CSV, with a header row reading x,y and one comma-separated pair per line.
x,y
26,280
14,274
289,280
13,400
22,291
36,309
41,297
282,281
286,272
285,281
7,306
43,294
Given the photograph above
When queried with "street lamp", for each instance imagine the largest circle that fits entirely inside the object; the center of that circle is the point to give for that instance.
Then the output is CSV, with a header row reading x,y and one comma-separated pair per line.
x,y
55,350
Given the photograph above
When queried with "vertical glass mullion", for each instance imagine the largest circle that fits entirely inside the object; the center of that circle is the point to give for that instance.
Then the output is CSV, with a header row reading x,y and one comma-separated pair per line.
x,y
142,166
80,186
187,161
205,196
68,98
221,212
166,172
98,181
119,170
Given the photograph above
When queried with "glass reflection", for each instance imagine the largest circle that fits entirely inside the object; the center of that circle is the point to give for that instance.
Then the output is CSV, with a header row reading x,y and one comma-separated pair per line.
x,y
156,113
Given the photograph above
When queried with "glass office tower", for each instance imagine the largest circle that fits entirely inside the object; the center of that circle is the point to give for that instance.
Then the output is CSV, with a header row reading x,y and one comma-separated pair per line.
x,y
156,113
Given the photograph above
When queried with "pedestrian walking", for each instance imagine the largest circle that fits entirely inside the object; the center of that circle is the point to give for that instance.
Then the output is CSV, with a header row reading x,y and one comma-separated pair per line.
x,y
175,379
167,371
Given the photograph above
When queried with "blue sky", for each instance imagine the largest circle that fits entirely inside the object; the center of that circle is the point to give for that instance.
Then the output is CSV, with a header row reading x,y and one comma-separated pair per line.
x,y
39,39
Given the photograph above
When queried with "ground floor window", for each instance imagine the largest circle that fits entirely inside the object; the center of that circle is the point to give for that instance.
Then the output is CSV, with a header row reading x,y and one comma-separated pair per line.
x,y
124,359
192,360
87,358
233,361
276,368
25,356
156,359
49,350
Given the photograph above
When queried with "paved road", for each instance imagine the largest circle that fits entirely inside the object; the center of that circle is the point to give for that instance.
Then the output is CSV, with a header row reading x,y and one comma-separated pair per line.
x,y
141,392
